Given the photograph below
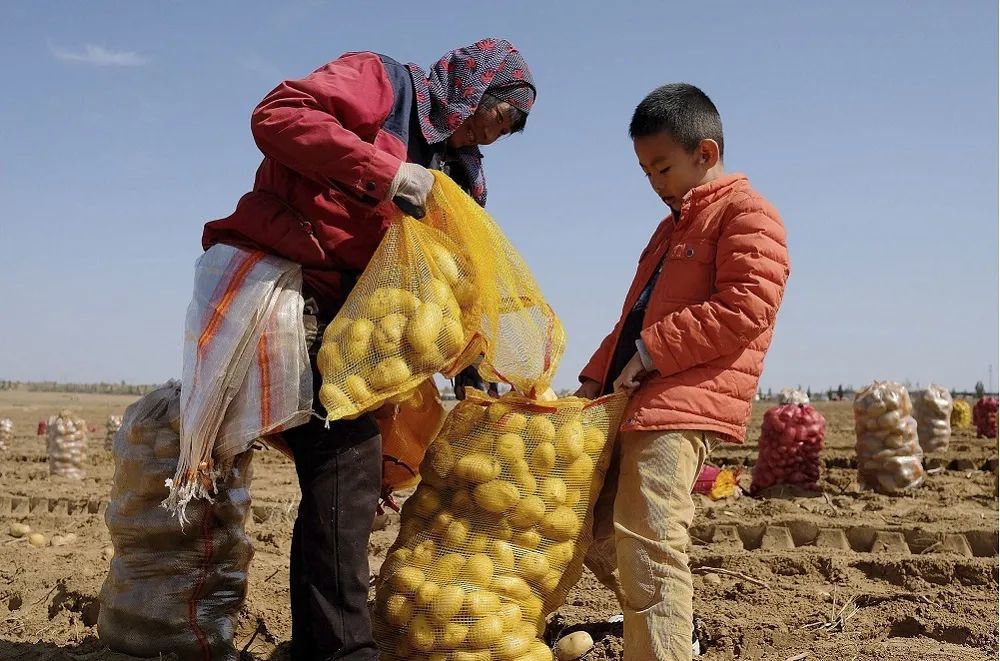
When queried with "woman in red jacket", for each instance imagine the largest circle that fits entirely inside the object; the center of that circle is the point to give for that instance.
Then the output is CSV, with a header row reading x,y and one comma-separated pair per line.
x,y
341,147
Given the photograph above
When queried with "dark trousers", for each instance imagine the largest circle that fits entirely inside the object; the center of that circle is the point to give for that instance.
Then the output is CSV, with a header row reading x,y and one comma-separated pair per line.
x,y
340,473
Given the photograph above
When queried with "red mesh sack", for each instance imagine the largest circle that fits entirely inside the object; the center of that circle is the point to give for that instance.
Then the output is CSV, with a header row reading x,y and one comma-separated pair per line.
x,y
791,440
984,416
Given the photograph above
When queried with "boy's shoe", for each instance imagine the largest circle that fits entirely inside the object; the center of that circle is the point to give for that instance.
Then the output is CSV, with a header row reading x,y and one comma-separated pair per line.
x,y
696,626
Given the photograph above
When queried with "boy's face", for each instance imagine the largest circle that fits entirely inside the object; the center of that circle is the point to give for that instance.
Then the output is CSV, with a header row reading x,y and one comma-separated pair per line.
x,y
673,171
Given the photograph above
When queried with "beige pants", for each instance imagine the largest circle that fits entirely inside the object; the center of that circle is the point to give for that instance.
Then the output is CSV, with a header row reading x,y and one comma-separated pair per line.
x,y
641,523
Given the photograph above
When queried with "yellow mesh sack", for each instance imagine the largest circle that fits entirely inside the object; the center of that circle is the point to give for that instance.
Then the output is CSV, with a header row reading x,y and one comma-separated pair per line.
x,y
437,294
494,536
961,415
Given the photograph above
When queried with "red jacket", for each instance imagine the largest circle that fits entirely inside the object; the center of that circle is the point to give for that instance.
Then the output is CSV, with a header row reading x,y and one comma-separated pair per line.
x,y
332,143
711,314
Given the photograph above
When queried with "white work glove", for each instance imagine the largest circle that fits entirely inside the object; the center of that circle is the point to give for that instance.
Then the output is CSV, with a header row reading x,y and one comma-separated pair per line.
x,y
410,187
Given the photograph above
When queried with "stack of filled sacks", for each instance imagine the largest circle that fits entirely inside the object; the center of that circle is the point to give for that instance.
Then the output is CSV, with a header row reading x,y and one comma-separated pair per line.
x,y
67,445
889,453
932,410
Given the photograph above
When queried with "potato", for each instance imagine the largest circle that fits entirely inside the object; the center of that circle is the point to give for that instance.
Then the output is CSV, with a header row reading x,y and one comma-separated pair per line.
x,y
453,337
358,389
37,539
528,512
540,429
398,610
330,359
581,470
333,397
513,645
389,333
471,655
553,491
424,328
511,586
527,539
456,534
533,566
485,631
447,604
593,440
510,614
543,458
407,579
480,603
569,441
445,262
510,446
19,529
453,635
425,502
477,468
496,496
502,554
426,593
478,570
573,646
421,633
478,543
360,331
423,553
559,555
561,524
447,567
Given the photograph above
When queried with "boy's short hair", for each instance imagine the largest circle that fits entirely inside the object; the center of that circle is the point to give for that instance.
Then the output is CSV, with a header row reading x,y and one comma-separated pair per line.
x,y
682,110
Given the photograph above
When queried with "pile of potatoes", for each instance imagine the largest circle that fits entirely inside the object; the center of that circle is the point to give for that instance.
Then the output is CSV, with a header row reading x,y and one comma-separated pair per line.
x,y
889,453
383,338
487,540
67,446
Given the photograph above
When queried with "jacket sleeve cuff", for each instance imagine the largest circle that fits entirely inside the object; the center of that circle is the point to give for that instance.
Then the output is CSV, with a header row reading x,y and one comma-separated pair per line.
x,y
647,360
659,353
377,173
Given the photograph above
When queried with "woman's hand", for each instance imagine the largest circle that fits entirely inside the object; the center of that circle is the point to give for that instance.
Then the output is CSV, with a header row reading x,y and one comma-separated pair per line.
x,y
410,188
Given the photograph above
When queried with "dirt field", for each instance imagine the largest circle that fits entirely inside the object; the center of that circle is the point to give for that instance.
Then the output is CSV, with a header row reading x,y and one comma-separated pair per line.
x,y
912,577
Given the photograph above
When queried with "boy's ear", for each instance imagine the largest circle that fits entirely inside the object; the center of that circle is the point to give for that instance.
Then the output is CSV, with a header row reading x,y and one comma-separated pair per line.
x,y
708,153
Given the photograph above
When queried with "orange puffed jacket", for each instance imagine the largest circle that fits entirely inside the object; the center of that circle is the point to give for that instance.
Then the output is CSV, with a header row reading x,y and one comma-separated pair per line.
x,y
710,316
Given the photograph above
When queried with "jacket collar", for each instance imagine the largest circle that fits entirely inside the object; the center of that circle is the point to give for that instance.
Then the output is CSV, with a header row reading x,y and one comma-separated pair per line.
x,y
700,197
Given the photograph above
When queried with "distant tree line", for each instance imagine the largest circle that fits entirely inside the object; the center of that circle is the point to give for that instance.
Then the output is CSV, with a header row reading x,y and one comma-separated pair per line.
x,y
120,388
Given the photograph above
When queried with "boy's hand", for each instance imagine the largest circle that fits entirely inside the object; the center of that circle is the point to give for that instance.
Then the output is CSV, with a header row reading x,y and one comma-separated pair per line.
x,y
631,376
589,389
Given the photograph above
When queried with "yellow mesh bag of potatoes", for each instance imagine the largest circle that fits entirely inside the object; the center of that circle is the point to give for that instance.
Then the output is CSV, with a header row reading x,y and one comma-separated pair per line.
x,y
961,415
494,536
437,294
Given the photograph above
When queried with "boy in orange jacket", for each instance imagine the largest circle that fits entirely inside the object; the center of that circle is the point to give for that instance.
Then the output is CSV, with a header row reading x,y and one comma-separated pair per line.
x,y
689,349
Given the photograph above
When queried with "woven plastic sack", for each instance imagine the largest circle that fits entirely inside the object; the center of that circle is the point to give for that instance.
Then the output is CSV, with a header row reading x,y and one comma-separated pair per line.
x,y
494,537
6,432
932,410
111,427
792,396
985,417
436,294
168,589
406,433
246,370
67,446
961,415
791,440
889,454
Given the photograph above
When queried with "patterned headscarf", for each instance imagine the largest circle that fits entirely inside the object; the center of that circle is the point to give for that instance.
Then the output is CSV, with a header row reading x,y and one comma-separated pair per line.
x,y
454,88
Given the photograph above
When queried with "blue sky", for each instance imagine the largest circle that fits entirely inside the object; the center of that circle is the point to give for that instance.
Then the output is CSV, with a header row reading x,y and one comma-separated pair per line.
x,y
871,126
